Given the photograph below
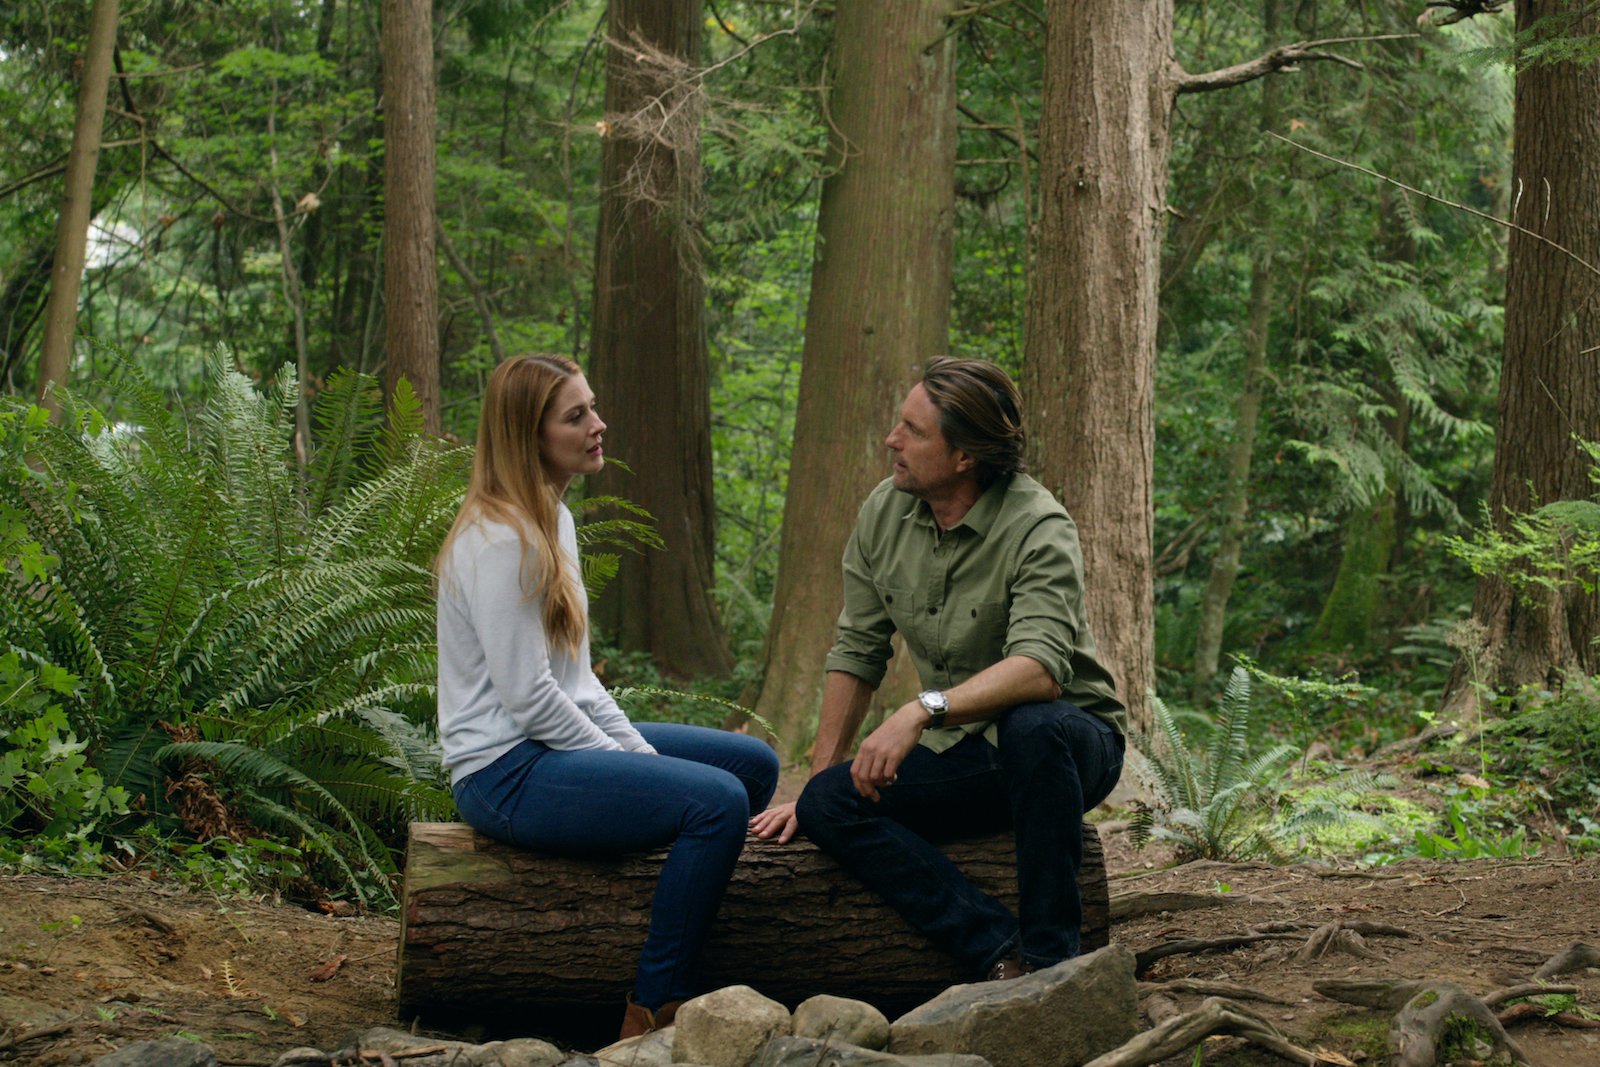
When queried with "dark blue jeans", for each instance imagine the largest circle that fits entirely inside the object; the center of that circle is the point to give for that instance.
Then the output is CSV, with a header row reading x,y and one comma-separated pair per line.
x,y
1054,762
697,795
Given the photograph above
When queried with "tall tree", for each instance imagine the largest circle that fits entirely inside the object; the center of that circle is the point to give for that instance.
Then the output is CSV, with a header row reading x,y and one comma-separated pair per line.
x,y
880,303
72,227
1247,409
410,265
648,352
1549,376
1088,374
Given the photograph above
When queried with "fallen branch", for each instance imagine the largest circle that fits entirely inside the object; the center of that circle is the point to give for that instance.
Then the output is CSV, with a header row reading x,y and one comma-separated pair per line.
x,y
35,1035
1574,957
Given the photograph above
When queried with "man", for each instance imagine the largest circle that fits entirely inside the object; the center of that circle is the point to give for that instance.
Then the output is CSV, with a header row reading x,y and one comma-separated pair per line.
x,y
977,566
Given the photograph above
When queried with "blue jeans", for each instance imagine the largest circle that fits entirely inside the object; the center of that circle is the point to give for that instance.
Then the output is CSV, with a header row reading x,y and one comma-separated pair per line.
x,y
697,795
1053,763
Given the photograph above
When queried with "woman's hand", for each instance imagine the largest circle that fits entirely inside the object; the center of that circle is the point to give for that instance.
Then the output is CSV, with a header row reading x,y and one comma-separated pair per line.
x,y
777,821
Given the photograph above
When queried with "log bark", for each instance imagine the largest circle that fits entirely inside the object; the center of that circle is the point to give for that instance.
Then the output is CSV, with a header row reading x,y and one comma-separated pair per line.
x,y
488,927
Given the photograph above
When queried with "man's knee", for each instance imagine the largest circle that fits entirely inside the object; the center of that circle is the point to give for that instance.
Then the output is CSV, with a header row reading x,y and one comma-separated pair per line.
x,y
1029,729
826,801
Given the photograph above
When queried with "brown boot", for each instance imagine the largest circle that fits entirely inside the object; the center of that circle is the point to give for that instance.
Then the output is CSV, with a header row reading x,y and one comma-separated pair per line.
x,y
639,1020
1009,968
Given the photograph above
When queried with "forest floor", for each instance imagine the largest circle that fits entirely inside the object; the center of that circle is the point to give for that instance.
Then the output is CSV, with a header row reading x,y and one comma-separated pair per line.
x,y
89,965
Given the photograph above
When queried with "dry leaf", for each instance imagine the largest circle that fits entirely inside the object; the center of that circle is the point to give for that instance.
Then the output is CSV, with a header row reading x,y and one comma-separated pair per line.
x,y
329,969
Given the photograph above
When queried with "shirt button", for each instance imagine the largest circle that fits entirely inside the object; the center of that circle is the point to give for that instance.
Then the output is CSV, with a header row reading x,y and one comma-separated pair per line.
x,y
933,611
887,599
938,666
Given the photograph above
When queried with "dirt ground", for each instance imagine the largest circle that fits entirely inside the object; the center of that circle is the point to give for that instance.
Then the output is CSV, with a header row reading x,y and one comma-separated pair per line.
x,y
88,965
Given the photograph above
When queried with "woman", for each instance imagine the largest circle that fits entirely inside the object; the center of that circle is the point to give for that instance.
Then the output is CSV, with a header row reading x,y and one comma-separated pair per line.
x,y
539,754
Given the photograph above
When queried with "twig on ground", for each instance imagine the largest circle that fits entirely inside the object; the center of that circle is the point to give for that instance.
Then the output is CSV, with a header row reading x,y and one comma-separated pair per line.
x,y
1575,956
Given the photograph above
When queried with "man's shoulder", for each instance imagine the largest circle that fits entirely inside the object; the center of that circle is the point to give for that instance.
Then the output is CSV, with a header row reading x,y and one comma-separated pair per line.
x,y
885,501
1026,499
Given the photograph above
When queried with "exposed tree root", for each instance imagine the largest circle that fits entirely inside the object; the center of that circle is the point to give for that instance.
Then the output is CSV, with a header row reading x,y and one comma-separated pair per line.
x,y
1132,905
1335,937
1527,989
1214,1016
1524,1012
1143,960
1384,994
1200,987
1422,1024
1574,957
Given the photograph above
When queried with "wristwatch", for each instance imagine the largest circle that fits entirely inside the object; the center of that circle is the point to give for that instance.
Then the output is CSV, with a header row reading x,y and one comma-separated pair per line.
x,y
937,707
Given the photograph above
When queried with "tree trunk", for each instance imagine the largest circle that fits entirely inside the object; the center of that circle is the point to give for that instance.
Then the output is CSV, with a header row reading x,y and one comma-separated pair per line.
x,y
1549,380
648,357
1246,412
880,304
410,269
72,227
1236,492
1088,373
489,927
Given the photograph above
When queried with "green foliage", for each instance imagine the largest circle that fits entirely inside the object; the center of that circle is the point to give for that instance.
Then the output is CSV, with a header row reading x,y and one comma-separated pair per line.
x,y
1350,813
1214,799
1556,546
1470,833
1552,742
47,789
268,637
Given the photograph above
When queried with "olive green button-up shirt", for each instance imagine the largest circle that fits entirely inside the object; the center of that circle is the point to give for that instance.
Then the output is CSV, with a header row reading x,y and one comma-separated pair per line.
x,y
1006,581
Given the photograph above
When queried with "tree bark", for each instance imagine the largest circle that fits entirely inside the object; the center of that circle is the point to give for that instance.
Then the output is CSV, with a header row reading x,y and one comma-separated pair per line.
x,y
410,268
1088,370
1549,378
490,927
879,305
648,357
72,228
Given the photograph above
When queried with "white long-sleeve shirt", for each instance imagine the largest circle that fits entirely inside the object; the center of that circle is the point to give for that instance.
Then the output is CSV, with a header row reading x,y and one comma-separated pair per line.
x,y
500,679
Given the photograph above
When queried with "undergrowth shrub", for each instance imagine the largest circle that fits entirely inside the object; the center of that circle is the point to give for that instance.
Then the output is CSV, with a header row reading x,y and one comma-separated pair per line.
x,y
253,639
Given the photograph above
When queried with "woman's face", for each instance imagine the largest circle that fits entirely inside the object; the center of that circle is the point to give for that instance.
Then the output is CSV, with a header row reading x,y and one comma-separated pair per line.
x,y
569,435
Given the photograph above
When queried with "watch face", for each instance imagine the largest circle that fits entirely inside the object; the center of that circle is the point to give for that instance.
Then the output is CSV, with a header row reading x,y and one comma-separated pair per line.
x,y
933,700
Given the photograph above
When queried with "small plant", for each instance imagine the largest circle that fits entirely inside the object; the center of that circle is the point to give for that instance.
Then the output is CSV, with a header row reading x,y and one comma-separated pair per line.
x,y
1471,834
1215,800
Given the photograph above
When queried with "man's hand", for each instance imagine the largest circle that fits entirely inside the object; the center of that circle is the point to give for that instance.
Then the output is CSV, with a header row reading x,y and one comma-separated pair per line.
x,y
777,821
879,758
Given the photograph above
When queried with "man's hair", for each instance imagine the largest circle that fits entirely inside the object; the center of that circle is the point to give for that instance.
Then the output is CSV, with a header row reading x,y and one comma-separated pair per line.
x,y
980,413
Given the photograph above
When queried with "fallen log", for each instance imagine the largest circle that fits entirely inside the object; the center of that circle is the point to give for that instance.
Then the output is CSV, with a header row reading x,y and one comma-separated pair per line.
x,y
487,927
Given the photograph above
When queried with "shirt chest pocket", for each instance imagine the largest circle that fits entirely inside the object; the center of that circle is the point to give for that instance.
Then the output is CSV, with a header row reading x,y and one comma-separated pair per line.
x,y
901,604
975,637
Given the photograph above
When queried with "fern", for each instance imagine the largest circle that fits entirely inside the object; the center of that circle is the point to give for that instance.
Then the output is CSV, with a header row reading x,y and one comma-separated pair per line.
x,y
1214,800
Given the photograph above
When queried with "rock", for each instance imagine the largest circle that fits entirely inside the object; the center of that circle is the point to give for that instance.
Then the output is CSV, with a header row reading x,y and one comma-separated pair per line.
x,y
523,1052
814,1052
1058,1017
727,1028
853,1022
647,1050
168,1052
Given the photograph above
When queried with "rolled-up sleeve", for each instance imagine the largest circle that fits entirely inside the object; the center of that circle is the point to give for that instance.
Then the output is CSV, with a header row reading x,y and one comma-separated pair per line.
x,y
861,643
1046,595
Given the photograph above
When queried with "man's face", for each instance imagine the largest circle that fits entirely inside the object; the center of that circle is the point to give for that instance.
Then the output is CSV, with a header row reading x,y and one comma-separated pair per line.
x,y
924,462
